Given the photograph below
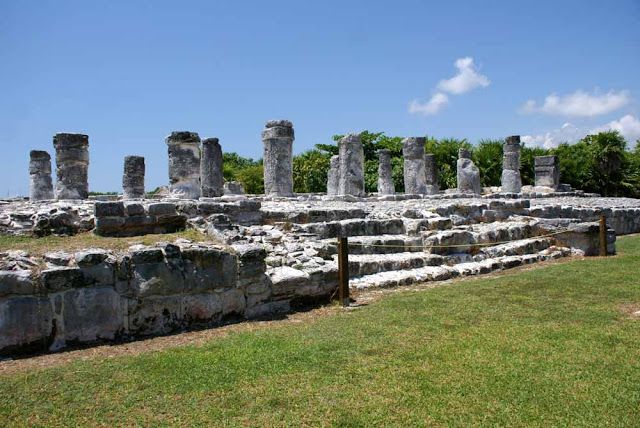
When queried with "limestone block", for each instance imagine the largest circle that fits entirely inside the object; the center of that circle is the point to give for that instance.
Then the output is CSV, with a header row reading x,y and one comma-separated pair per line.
x,y
92,314
25,324
16,282
204,308
155,315
468,175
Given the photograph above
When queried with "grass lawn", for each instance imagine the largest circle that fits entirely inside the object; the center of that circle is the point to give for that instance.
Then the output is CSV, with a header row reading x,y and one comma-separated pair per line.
x,y
555,345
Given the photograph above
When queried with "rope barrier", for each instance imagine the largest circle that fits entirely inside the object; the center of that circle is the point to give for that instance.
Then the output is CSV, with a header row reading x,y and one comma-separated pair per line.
x,y
480,244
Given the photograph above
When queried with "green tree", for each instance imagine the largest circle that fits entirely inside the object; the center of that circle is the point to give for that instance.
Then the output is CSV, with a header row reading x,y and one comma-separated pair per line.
x,y
310,171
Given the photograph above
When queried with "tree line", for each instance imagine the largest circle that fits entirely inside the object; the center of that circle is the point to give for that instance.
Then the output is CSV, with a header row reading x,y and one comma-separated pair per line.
x,y
599,163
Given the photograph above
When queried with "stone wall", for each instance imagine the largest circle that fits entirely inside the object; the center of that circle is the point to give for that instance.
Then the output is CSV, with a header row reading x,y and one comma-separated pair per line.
x,y
135,218
95,295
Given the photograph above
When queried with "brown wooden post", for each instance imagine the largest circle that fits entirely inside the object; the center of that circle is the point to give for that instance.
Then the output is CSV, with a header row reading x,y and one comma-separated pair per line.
x,y
343,270
603,236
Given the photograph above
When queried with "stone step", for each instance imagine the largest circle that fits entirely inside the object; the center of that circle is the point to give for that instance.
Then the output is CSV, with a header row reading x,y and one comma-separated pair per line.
x,y
381,244
441,273
368,264
352,227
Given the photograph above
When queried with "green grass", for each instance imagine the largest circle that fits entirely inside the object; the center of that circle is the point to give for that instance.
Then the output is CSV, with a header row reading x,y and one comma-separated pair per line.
x,y
553,346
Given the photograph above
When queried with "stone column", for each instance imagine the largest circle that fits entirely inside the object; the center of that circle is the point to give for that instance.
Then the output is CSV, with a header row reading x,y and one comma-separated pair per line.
x,y
351,166
212,183
385,173
547,169
511,180
333,176
468,174
431,174
414,169
72,165
133,178
184,164
40,183
277,138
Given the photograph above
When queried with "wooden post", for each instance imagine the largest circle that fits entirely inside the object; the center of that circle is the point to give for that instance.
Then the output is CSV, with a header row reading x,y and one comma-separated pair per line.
x,y
603,236
343,270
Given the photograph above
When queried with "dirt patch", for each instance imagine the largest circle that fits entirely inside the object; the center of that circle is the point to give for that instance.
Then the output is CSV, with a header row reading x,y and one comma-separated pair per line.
x,y
630,310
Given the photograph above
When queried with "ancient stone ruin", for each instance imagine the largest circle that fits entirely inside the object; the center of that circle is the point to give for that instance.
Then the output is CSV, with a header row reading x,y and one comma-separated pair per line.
x,y
184,164
212,182
415,178
511,181
133,177
547,172
277,138
269,254
72,161
468,175
40,183
351,156
385,173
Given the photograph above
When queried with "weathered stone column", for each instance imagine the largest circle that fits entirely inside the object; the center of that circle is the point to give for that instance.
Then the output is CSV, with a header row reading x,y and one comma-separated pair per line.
x,y
414,171
211,181
351,166
511,180
40,183
547,169
277,138
133,178
184,164
72,165
385,173
431,174
333,176
468,173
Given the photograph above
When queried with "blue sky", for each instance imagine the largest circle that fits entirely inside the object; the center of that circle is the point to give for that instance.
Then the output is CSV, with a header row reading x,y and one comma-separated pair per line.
x,y
127,73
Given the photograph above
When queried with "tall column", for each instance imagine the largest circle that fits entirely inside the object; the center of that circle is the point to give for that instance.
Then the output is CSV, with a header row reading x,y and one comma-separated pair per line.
x,y
351,166
212,183
72,165
277,138
40,183
431,174
385,173
511,180
333,176
184,164
468,174
133,178
414,171
547,169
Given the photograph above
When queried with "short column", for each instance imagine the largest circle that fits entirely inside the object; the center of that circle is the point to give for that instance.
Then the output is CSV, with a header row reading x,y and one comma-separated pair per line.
x,y
72,165
184,164
133,177
385,173
414,171
212,182
351,166
40,182
277,138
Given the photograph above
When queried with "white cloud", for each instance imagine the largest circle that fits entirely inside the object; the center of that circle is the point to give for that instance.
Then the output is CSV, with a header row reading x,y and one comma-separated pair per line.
x,y
434,105
467,78
628,126
579,104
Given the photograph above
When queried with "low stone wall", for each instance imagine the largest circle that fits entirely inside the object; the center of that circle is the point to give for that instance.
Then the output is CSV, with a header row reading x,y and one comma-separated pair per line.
x,y
136,218
95,295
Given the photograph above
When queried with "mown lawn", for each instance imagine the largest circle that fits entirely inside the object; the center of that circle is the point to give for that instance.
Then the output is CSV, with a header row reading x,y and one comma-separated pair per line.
x,y
556,345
